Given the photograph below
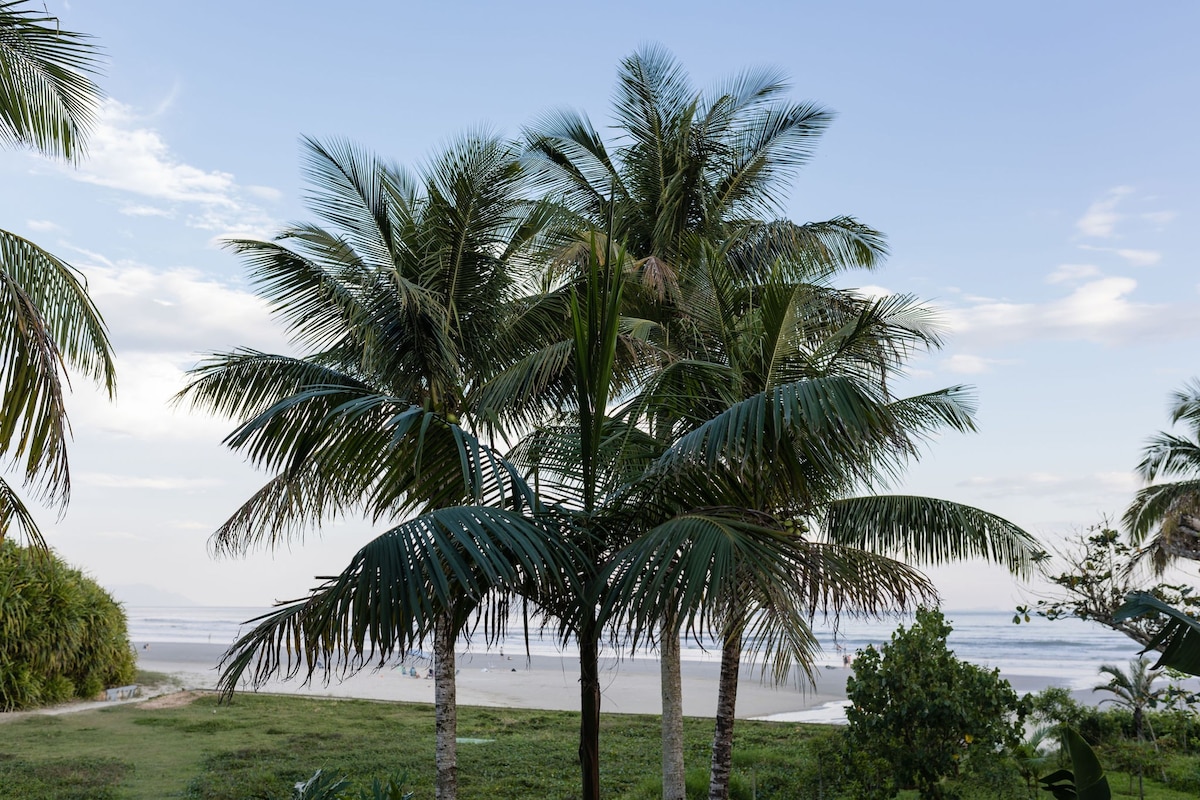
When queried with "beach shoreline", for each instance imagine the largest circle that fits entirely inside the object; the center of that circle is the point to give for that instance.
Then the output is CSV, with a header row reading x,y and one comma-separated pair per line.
x,y
490,679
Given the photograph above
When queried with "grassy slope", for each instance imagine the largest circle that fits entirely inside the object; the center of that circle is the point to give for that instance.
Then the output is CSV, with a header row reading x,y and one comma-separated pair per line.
x,y
259,746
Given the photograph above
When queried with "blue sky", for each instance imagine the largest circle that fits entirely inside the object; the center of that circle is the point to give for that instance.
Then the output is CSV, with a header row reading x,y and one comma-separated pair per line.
x,y
1033,165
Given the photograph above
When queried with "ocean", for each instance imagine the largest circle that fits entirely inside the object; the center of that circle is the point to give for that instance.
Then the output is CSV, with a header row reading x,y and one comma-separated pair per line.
x,y
1068,651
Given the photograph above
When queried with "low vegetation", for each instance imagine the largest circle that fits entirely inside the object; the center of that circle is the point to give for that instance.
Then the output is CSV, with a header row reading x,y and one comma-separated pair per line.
x,y
261,746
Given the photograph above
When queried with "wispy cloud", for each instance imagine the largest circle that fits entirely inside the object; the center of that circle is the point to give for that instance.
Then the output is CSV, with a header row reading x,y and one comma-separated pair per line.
x,y
1071,273
1047,484
1101,309
1136,258
1140,258
1122,206
1101,217
146,211
128,155
108,480
177,310
968,364
42,225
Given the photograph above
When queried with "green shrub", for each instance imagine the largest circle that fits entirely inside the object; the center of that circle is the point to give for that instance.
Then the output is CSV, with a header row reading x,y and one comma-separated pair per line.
x,y
927,714
61,635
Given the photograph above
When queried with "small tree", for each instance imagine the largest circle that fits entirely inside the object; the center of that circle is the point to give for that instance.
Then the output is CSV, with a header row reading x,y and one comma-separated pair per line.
x,y
925,712
61,635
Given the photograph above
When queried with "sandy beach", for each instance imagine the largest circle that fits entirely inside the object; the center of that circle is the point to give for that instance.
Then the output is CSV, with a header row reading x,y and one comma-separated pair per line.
x,y
630,686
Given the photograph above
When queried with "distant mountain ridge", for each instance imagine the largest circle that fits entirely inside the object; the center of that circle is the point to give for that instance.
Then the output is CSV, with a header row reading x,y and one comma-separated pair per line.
x,y
143,594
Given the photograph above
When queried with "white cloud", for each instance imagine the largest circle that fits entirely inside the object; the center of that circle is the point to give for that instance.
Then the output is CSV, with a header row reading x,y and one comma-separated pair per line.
x,y
126,155
265,192
107,480
160,321
872,292
1046,484
136,159
178,311
1072,273
1159,219
1136,258
967,364
1140,258
1099,310
42,225
146,211
1101,217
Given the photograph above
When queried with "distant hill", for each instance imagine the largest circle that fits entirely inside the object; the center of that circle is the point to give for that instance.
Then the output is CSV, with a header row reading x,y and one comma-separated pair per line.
x,y
143,594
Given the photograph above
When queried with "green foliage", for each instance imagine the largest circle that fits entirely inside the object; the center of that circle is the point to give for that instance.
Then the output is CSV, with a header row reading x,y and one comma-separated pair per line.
x,y
1085,780
61,635
927,714
1095,572
322,786
69,778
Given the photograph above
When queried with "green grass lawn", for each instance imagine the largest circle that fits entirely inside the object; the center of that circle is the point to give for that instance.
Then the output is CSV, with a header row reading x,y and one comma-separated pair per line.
x,y
259,746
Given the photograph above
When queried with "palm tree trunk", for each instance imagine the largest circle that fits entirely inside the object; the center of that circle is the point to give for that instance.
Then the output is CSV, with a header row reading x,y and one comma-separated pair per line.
x,y
674,783
446,705
589,719
722,749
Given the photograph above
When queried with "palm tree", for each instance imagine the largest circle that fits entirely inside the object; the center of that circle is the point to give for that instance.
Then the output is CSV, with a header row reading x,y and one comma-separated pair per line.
x,y
1171,511
690,167
685,187
47,102
1135,691
399,298
762,340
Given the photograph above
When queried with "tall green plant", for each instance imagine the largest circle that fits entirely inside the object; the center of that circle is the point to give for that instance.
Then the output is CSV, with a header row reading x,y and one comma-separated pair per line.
x,y
1085,780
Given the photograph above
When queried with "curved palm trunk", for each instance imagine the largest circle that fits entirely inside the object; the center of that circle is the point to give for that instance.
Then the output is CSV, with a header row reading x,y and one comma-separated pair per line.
x,y
589,718
446,705
722,749
674,783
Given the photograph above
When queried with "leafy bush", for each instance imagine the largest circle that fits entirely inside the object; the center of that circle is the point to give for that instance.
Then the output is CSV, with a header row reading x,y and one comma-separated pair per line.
x,y
926,714
61,635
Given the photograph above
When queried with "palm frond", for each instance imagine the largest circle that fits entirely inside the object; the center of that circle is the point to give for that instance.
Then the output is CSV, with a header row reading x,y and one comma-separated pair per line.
x,y
704,565
245,382
14,515
1179,638
385,601
568,161
51,324
1174,510
805,427
47,97
352,190
285,509
926,530
1166,455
